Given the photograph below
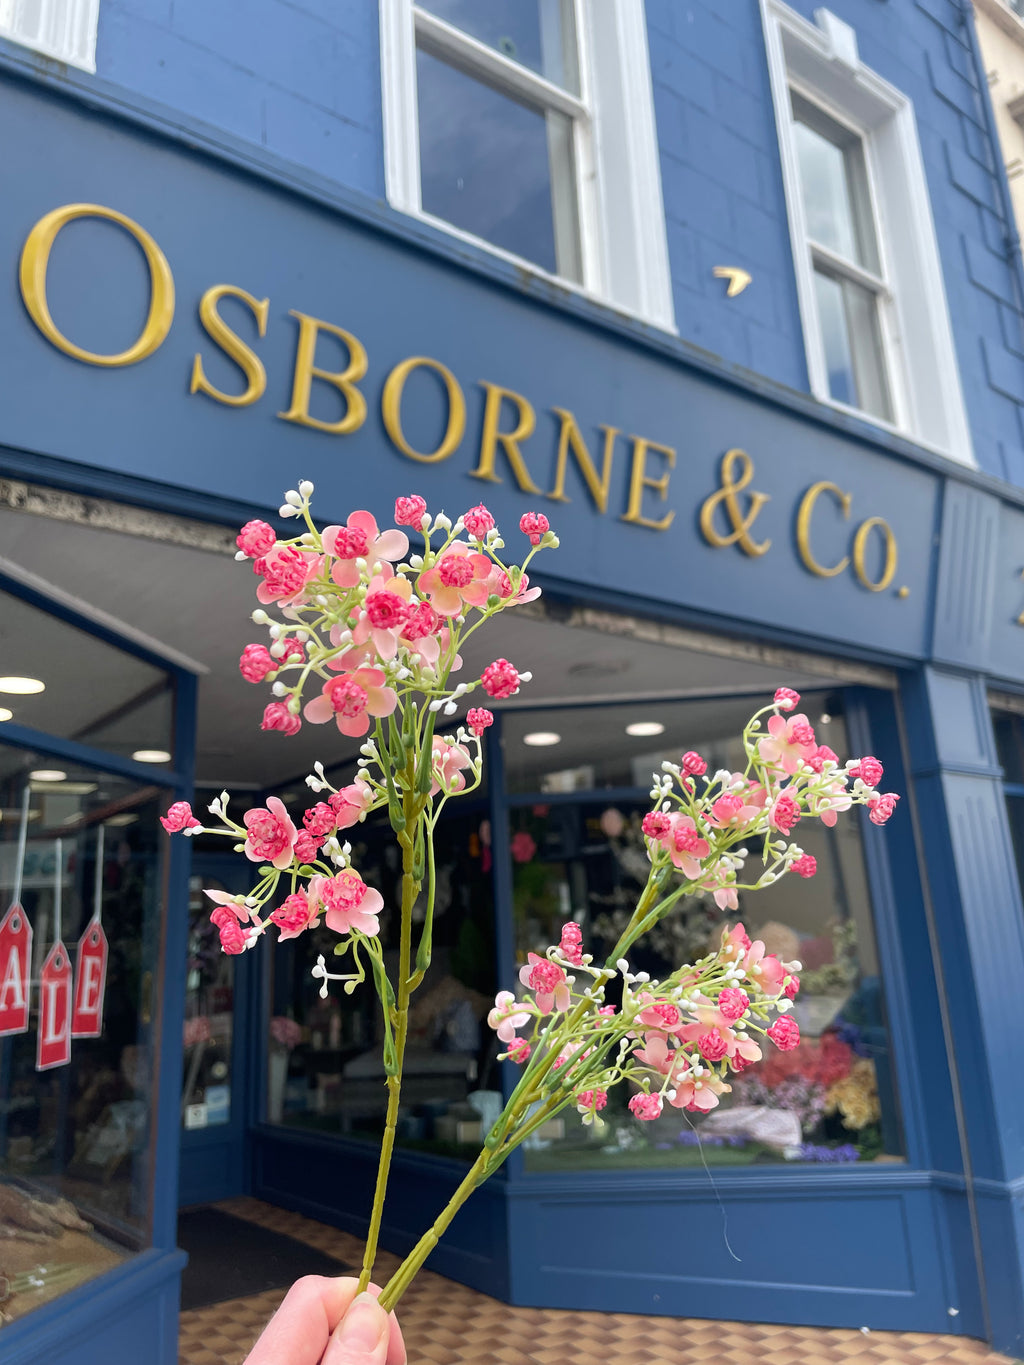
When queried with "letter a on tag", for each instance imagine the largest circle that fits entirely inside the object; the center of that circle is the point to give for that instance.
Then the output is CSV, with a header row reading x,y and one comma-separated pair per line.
x,y
15,957
90,982
53,1045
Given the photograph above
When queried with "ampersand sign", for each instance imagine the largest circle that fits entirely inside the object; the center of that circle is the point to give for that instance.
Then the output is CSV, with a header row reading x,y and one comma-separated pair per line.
x,y
53,1042
90,982
15,957
727,496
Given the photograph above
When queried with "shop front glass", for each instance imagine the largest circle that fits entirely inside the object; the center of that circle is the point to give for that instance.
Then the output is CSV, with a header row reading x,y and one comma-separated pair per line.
x,y
578,852
82,885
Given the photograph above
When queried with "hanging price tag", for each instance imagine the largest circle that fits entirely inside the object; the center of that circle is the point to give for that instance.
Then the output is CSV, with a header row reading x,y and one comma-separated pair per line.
x,y
15,960
90,982
53,1045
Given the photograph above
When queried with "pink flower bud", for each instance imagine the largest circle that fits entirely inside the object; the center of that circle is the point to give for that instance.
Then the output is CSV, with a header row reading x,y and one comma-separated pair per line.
x,y
693,764
519,1051
409,511
656,824
278,717
869,770
791,987
256,662
320,820
179,817
306,847
255,539
478,521
804,866
712,1047
786,699
478,718
534,525
500,679
785,1034
881,807
645,1107
733,1003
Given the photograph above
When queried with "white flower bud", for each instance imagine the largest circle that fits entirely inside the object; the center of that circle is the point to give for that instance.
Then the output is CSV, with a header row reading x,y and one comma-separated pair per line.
x,y
292,498
285,511
416,562
260,617
425,521
274,630
442,523
307,537
362,775
306,488
783,1006
526,677
279,689
314,783
240,555
450,708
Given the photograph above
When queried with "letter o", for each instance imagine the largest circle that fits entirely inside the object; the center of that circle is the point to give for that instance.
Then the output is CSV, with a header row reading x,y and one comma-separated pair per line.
x,y
391,409
860,542
35,259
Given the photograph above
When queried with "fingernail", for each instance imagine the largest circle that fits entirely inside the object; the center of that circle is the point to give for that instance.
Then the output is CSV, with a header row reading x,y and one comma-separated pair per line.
x,y
364,1324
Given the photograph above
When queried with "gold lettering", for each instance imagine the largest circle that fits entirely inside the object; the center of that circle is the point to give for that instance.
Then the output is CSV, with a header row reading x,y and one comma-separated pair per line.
x,y
344,381
569,437
639,479
35,259
232,345
726,495
803,527
391,407
509,440
860,542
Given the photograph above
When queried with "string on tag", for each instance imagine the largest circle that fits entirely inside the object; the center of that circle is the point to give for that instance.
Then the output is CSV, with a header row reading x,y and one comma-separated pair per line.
x,y
19,866
97,894
58,892
714,1188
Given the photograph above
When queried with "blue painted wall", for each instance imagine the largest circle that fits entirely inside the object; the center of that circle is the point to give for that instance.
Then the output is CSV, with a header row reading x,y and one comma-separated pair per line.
x,y
302,81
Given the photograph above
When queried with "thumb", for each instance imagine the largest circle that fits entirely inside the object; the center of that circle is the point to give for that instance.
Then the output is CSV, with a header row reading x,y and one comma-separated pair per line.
x,y
361,1338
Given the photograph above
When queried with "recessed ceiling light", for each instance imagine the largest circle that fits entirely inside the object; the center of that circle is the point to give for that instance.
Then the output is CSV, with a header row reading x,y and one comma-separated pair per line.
x,y
825,719
72,788
6,713
151,756
540,739
22,687
47,775
645,727
124,819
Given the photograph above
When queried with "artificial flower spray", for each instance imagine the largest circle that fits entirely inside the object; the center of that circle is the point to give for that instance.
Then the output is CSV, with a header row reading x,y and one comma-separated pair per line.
x,y
364,630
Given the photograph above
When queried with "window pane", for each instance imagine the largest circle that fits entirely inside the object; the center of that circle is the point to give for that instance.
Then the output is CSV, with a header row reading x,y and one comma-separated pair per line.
x,y
209,1000
830,1100
834,185
497,168
75,1140
538,34
848,317
1009,733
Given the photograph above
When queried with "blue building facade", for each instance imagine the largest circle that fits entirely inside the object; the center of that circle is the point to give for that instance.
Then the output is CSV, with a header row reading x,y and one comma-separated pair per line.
x,y
732,293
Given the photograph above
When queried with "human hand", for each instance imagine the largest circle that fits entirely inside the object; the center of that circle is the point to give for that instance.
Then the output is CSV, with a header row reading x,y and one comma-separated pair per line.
x,y
324,1321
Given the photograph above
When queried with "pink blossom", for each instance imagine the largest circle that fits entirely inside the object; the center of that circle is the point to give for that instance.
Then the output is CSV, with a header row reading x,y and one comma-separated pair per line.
x,y
783,813
306,847
271,834
349,903
507,1016
699,1094
286,573
767,971
822,755
385,614
868,769
720,880
519,593
255,539
656,824
228,908
519,1051
733,1003
500,679
712,1046
459,578
785,1033
297,913
881,808
292,650
278,716
685,845
320,820
448,762
661,1015
351,700
788,744
351,803
548,981
534,525
522,846
478,521
233,938
791,987
804,866
734,810
571,943
692,764
421,635
786,699
360,538
478,718
409,511
179,816
829,799
645,1107
591,1101
736,942
256,662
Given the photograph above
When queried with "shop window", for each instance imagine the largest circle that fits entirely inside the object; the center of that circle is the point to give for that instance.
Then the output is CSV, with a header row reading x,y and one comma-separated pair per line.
x,y
869,280
209,1001
62,29
1008,726
325,1066
529,127
580,853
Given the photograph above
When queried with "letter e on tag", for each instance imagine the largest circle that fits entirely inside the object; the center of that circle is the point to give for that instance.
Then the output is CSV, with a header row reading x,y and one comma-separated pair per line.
x,y
90,982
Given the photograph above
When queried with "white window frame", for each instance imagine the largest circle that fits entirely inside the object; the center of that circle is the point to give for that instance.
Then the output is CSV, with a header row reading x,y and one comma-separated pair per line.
x,y
820,62
623,246
62,29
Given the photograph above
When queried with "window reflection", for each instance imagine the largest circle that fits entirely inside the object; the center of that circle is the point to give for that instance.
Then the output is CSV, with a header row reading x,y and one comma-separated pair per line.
x,y
538,34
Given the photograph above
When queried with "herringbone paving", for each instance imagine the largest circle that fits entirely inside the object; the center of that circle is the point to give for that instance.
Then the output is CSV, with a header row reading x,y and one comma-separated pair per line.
x,y
447,1324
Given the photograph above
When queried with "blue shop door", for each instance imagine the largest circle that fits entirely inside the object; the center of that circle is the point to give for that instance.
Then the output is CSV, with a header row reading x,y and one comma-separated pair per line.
x,y
219,1008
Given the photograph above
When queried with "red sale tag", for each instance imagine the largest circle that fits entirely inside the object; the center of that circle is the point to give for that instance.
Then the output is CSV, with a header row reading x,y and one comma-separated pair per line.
x,y
53,1039
15,960
90,982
